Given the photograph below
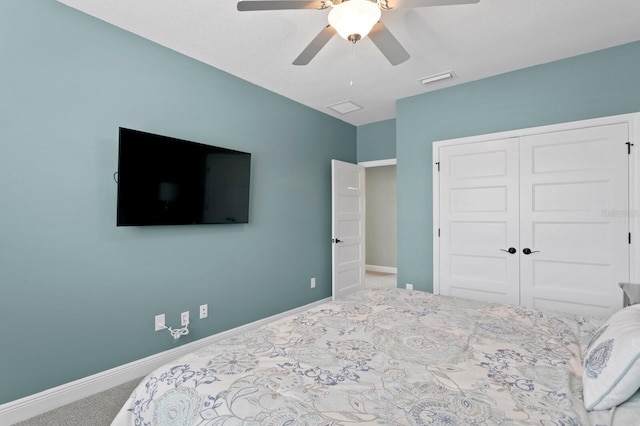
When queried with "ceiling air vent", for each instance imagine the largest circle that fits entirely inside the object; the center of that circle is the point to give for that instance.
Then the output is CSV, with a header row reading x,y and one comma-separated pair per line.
x,y
345,107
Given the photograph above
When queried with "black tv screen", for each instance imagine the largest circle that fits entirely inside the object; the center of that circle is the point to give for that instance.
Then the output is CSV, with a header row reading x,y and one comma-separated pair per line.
x,y
169,181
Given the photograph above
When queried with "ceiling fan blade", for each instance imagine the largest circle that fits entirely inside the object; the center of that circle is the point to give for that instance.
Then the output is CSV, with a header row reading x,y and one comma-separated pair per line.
x,y
405,4
250,5
388,44
314,47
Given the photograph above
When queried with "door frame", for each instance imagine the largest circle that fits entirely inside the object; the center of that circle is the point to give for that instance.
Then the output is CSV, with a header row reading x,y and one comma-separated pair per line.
x,y
364,165
633,213
367,165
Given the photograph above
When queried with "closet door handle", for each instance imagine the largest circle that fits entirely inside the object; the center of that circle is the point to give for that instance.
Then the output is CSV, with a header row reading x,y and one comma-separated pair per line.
x,y
527,250
511,250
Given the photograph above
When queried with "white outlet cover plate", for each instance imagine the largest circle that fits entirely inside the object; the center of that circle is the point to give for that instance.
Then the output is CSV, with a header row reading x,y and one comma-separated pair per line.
x,y
204,311
159,322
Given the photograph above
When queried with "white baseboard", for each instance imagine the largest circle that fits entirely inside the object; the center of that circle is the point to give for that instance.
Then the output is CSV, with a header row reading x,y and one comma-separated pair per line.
x,y
387,269
41,402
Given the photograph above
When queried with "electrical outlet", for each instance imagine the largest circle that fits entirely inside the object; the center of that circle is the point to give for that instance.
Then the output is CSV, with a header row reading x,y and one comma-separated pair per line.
x,y
409,286
184,318
160,322
204,311
313,282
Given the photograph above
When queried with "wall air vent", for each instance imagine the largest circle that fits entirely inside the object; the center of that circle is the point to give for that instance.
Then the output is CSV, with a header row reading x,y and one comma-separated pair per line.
x,y
436,77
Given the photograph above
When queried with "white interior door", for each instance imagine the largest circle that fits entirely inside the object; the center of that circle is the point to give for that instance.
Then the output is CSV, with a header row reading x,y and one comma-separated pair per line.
x,y
479,221
347,224
571,184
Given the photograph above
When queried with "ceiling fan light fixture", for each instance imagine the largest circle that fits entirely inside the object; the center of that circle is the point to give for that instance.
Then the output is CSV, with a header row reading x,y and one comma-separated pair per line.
x,y
353,19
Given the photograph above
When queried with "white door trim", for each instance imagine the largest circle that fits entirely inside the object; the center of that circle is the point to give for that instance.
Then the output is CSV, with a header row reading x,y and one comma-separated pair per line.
x,y
367,165
633,120
378,163
634,197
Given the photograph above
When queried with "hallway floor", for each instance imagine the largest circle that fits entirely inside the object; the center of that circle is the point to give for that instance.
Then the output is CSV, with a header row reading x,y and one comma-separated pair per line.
x,y
380,279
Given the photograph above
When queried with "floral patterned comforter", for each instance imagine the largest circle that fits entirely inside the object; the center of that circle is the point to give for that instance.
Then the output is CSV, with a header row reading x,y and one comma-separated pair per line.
x,y
384,357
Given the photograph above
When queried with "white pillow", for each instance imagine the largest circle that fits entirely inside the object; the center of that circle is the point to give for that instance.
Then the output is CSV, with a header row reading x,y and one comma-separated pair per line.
x,y
611,372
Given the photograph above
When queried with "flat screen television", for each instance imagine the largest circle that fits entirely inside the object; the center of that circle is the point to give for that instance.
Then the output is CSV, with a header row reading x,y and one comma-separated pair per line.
x,y
168,181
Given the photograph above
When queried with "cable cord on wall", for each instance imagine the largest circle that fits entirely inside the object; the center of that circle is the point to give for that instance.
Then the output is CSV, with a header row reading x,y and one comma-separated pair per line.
x,y
178,332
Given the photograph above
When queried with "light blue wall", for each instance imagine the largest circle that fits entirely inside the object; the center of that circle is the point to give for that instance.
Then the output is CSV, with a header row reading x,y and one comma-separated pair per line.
x,y
598,84
377,141
77,294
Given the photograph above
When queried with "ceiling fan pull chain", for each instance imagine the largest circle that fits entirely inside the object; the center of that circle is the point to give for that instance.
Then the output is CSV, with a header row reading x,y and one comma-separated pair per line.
x,y
352,65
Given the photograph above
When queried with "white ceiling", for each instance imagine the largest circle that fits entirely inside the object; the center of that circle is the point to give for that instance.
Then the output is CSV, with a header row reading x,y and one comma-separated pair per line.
x,y
474,41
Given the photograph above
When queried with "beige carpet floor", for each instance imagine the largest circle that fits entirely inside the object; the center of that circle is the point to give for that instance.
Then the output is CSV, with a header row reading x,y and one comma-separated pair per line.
x,y
95,410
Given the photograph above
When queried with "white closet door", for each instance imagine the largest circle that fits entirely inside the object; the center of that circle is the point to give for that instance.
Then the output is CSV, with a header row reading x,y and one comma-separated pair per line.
x,y
479,219
347,227
573,195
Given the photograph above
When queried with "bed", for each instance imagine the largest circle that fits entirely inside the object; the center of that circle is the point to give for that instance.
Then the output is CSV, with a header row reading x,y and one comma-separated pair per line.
x,y
390,357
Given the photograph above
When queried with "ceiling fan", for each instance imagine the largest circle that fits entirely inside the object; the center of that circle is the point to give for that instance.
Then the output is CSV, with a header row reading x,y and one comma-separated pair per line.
x,y
353,20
